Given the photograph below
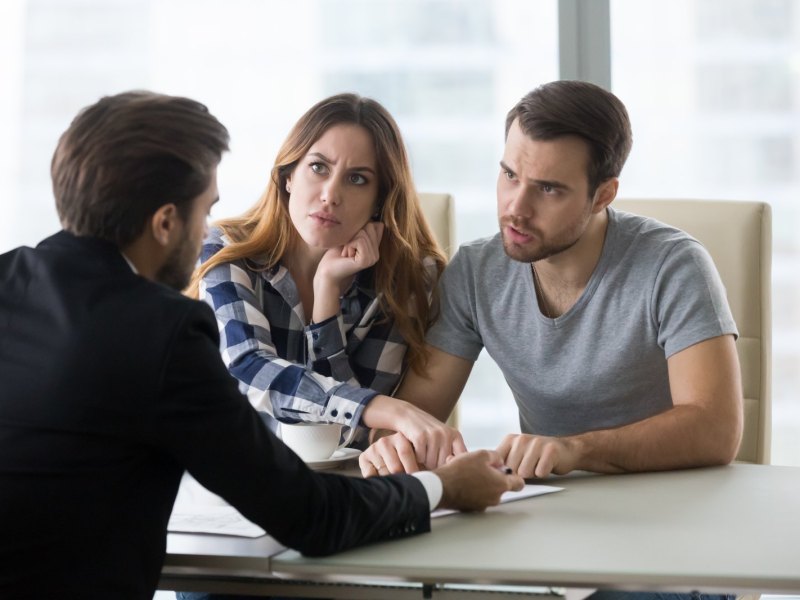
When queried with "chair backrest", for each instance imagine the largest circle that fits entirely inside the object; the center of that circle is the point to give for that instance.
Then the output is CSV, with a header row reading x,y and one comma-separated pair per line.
x,y
440,213
439,210
738,235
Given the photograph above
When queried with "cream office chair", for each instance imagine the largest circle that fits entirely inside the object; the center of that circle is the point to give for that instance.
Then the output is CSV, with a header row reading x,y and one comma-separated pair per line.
x,y
440,213
738,235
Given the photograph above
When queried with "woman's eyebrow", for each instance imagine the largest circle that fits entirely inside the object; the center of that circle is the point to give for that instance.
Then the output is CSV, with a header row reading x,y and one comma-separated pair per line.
x,y
321,156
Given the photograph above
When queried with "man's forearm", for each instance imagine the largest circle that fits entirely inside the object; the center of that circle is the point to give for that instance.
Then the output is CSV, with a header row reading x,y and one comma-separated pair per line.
x,y
684,436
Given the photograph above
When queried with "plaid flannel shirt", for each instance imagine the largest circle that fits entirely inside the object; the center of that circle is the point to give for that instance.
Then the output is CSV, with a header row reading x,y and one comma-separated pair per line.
x,y
324,372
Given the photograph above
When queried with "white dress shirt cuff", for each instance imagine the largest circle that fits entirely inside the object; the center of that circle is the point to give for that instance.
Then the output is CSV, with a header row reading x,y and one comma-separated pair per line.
x,y
433,486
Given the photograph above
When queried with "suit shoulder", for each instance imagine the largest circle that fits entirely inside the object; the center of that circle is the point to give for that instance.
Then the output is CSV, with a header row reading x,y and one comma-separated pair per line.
x,y
171,309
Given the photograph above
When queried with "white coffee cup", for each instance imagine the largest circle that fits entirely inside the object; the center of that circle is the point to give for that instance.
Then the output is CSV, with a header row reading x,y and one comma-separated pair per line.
x,y
312,441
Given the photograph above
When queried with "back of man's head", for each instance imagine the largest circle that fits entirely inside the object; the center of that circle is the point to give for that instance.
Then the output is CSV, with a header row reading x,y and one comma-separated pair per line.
x,y
126,155
562,108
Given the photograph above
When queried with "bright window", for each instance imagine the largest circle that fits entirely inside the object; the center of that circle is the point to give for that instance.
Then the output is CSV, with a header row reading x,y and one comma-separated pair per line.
x,y
448,70
712,91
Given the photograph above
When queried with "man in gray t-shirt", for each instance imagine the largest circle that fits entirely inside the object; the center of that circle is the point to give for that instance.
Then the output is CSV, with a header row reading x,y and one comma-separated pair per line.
x,y
612,330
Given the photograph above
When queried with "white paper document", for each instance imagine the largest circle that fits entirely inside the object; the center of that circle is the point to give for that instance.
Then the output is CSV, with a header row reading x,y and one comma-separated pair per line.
x,y
527,492
222,520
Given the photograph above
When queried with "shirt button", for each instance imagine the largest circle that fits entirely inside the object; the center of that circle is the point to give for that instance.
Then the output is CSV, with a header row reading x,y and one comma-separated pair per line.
x,y
315,335
334,412
317,349
348,415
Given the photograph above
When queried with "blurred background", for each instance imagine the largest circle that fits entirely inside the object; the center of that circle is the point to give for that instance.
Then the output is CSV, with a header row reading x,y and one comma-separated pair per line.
x,y
711,86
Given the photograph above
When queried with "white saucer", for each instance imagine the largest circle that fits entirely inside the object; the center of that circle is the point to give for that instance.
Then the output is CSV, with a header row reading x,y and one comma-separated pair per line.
x,y
338,457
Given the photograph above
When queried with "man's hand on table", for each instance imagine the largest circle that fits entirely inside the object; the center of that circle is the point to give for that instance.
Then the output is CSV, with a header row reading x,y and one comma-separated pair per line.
x,y
475,480
538,456
471,481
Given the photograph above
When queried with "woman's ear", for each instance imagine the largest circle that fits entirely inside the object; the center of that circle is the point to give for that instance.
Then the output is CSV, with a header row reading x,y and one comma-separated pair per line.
x,y
289,184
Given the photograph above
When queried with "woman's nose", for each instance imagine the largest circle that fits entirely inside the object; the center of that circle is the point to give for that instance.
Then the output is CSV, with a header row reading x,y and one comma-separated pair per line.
x,y
331,192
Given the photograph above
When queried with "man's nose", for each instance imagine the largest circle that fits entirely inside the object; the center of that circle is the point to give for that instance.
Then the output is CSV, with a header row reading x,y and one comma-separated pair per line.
x,y
518,202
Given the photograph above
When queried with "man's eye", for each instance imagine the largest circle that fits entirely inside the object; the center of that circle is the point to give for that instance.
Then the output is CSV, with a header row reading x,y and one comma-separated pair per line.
x,y
509,174
548,189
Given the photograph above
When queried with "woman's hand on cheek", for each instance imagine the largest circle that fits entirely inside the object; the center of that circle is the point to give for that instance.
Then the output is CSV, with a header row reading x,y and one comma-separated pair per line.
x,y
337,267
360,253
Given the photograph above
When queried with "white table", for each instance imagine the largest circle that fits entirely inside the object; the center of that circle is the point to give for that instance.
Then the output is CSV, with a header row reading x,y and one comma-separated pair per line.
x,y
729,529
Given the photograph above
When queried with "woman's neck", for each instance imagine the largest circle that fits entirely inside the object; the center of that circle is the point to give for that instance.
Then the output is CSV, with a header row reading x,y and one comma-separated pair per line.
x,y
302,260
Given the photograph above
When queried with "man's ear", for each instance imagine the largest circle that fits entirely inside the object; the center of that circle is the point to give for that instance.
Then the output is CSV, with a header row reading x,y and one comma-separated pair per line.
x,y
605,194
164,224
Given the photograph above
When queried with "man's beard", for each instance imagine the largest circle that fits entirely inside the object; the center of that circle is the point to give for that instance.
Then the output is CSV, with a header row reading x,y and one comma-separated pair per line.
x,y
176,272
544,250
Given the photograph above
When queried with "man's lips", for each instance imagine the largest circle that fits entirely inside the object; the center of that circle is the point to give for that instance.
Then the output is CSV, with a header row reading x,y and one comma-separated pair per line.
x,y
517,236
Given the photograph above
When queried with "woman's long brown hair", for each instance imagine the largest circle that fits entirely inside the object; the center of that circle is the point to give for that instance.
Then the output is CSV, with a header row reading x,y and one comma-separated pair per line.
x,y
265,231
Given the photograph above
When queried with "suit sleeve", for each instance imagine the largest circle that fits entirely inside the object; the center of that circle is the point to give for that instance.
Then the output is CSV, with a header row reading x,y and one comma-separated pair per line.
x,y
211,429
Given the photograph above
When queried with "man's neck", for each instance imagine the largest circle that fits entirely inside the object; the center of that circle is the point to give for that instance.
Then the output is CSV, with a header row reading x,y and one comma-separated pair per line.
x,y
130,262
143,256
572,269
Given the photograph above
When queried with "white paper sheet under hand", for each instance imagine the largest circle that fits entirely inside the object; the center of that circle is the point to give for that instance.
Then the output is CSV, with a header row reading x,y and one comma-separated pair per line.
x,y
526,492
221,520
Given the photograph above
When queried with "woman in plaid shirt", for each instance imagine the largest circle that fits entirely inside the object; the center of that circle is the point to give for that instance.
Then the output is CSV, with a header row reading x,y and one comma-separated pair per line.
x,y
324,289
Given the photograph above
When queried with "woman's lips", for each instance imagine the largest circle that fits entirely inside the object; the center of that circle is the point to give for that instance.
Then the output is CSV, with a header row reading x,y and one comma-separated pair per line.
x,y
324,219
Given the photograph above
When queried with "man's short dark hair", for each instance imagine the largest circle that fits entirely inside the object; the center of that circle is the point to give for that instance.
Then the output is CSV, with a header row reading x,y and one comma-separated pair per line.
x,y
127,155
562,108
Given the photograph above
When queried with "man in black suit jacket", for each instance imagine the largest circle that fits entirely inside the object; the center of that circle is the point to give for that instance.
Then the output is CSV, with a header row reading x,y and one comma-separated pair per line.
x,y
111,383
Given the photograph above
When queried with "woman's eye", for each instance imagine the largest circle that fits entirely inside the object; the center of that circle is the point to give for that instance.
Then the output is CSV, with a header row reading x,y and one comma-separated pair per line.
x,y
358,179
318,168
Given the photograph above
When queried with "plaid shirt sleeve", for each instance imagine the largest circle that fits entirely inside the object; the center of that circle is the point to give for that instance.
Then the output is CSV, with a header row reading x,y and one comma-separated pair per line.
x,y
349,358
360,344
289,391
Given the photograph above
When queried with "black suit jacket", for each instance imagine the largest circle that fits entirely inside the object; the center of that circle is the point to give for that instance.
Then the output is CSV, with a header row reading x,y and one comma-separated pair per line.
x,y
110,386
